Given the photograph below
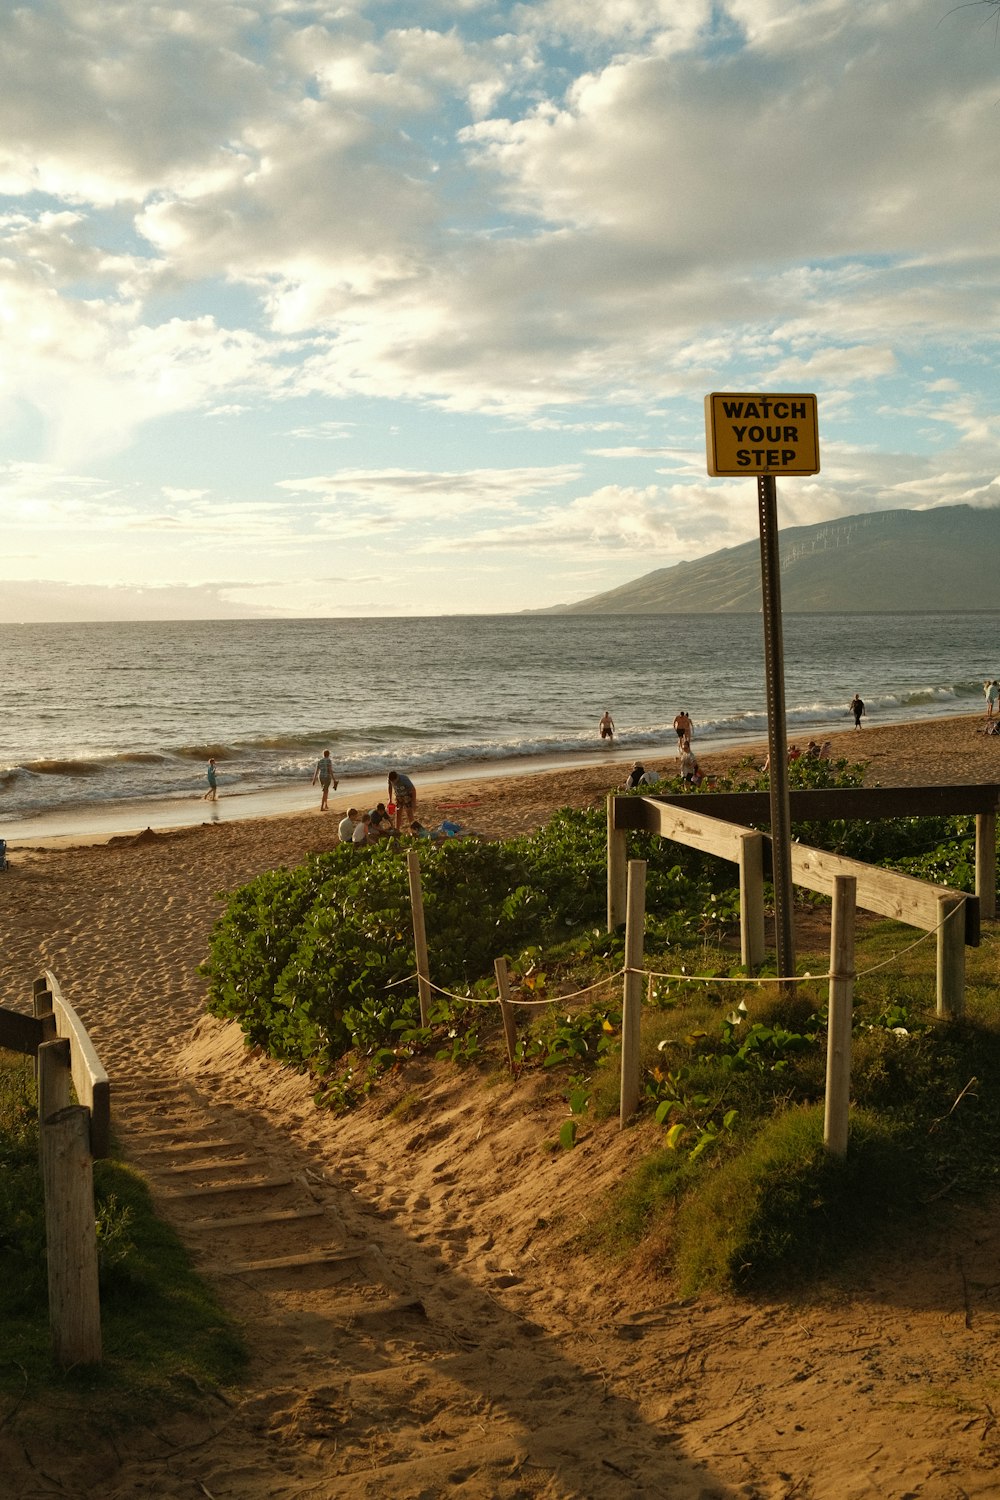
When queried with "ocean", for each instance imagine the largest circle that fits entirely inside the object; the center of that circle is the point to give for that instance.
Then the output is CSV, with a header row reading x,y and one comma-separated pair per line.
x,y
106,715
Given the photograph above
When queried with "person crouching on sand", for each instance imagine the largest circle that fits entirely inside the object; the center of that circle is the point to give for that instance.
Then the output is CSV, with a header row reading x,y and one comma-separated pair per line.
x,y
403,794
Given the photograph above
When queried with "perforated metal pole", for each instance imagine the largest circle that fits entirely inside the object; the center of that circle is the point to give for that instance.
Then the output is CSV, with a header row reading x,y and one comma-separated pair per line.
x,y
774,671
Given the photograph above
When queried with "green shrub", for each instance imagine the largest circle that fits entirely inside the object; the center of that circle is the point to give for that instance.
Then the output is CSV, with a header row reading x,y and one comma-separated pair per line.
x,y
318,961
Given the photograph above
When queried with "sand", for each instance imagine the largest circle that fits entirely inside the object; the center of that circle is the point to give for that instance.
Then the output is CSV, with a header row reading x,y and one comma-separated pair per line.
x,y
443,1333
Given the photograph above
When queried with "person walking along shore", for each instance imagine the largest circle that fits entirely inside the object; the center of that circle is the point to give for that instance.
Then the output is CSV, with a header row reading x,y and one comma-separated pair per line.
x,y
324,775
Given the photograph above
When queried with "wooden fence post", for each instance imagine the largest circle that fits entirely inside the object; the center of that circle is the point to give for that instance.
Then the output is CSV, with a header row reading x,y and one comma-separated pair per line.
x,y
41,999
752,925
617,878
951,956
635,919
838,1040
986,865
53,1077
71,1236
506,1010
419,936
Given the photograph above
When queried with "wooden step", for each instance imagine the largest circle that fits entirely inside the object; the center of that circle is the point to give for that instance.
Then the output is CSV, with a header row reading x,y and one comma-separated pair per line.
x,y
254,1185
190,1168
179,1146
283,1262
252,1221
392,1478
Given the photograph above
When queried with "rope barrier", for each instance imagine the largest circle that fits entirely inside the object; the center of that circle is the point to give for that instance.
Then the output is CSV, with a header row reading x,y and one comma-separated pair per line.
x,y
682,978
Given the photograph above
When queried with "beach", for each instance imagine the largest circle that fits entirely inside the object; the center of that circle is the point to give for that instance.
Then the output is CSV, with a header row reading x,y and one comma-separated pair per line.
x,y
524,1353
924,753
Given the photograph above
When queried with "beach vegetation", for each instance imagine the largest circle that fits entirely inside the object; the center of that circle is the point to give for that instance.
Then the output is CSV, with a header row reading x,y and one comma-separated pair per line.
x,y
318,966
166,1339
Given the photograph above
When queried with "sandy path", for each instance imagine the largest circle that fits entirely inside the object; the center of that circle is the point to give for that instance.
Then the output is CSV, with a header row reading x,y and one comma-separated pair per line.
x,y
464,1345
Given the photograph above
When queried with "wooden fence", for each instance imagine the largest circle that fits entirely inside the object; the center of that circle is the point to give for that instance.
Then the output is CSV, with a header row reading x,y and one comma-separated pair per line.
x,y
836,1114
698,822
70,1137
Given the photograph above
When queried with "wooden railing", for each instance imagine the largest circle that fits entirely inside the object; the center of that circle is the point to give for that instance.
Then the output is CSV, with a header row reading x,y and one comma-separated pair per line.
x,y
700,822
70,1137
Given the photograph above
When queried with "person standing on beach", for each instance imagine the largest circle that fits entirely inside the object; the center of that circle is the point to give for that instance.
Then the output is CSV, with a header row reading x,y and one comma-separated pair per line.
x,y
683,727
857,708
324,775
403,793
606,728
992,691
211,775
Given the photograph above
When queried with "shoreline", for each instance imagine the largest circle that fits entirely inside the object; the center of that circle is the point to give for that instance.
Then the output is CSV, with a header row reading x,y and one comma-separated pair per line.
x,y
931,752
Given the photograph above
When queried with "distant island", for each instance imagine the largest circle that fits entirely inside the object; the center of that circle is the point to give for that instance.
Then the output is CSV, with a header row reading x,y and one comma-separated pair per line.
x,y
886,561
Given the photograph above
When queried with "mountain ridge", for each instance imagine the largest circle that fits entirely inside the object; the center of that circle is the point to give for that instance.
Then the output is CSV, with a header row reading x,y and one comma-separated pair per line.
x,y
888,562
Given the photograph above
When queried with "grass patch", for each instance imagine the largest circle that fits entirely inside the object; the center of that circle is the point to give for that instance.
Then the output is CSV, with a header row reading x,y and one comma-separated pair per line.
x,y
166,1338
745,1196
784,1209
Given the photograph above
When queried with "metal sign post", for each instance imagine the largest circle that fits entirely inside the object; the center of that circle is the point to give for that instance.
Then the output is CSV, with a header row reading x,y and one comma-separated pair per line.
x,y
774,674
768,435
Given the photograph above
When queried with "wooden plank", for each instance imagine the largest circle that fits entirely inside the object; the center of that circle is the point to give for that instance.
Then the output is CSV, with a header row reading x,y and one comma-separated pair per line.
x,y
253,1221
635,923
361,1310
393,1478
886,892
617,870
178,1147
865,802
986,864
285,1262
506,1011
950,957
220,1164
53,1078
419,935
90,1079
20,1033
837,1102
695,826
71,1237
752,933
258,1184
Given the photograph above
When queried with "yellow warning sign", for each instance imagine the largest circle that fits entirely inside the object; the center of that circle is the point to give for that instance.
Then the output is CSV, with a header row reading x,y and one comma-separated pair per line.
x,y
754,434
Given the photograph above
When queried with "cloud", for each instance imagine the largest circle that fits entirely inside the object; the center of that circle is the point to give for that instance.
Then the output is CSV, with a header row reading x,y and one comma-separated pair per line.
x,y
40,600
112,102
409,496
464,242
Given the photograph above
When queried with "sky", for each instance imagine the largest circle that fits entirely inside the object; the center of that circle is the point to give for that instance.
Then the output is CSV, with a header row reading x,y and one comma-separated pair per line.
x,y
410,309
